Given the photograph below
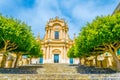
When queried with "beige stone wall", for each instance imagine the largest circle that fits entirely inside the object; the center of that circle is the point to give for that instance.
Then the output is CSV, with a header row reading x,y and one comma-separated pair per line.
x,y
102,61
9,64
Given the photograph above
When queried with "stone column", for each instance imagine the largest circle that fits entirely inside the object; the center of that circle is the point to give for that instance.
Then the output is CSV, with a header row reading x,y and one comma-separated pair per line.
x,y
52,34
63,52
60,34
66,53
47,52
50,52
48,34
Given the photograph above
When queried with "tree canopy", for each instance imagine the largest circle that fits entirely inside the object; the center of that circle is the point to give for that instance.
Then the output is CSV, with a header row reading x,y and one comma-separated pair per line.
x,y
70,53
103,34
102,31
36,50
16,36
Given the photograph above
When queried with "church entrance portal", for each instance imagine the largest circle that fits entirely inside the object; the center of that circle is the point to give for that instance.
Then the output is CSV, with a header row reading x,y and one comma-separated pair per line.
x,y
56,58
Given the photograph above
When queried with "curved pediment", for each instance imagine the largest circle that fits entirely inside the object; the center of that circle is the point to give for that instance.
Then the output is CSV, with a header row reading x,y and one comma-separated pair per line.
x,y
56,51
57,21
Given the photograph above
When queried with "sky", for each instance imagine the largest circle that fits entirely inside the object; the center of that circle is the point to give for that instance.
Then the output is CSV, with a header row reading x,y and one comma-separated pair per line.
x,y
36,13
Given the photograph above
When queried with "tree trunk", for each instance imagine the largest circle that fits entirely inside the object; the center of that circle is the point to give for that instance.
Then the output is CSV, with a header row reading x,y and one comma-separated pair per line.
x,y
13,64
116,60
30,60
3,61
84,60
79,61
17,59
101,64
96,60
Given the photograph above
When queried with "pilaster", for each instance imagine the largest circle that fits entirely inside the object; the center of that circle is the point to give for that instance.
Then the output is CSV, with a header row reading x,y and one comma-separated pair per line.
x,y
48,34
47,52
52,34
63,52
60,34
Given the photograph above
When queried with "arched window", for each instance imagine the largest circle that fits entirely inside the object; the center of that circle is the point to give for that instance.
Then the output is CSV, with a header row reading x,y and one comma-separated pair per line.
x,y
56,34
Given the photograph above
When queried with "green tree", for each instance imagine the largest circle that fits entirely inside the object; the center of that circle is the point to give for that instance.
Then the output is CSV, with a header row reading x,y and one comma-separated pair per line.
x,y
101,35
70,53
14,36
35,51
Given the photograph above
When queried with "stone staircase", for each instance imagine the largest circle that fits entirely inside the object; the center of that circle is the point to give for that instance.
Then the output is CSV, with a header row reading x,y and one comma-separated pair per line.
x,y
45,71
57,68
56,72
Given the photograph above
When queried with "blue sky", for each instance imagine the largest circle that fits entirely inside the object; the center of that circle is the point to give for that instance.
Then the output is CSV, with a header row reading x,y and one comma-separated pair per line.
x,y
76,13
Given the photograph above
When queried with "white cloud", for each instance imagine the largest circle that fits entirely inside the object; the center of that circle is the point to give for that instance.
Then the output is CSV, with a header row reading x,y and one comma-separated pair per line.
x,y
75,12
38,16
89,11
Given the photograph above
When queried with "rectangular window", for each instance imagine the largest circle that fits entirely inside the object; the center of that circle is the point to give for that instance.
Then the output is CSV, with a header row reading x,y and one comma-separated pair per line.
x,y
56,34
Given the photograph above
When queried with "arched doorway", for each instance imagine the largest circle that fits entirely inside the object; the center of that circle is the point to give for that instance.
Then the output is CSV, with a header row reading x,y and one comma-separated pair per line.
x,y
56,55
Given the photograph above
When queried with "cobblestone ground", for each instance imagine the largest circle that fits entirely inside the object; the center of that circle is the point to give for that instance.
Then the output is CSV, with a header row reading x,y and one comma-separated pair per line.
x,y
58,72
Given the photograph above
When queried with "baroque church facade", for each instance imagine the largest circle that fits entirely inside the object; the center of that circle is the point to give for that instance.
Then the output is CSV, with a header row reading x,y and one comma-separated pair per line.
x,y
56,43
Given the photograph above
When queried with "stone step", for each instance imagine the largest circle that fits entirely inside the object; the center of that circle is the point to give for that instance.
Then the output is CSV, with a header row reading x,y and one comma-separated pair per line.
x,y
57,68
18,71
60,76
52,76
